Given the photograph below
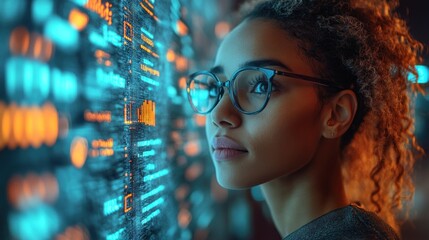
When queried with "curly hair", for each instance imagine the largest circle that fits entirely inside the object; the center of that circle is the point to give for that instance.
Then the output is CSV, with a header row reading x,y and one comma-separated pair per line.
x,y
365,46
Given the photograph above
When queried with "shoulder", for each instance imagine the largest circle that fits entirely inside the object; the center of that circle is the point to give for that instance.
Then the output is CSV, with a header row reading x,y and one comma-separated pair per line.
x,y
371,224
351,222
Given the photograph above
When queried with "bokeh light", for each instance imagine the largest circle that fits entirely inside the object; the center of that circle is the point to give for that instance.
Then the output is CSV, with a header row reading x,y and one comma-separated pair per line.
x,y
79,151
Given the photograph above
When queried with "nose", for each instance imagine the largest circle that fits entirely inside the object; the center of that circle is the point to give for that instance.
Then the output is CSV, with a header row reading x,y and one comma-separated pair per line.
x,y
225,115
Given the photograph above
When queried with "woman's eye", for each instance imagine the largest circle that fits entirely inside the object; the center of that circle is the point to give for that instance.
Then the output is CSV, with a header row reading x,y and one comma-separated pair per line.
x,y
260,87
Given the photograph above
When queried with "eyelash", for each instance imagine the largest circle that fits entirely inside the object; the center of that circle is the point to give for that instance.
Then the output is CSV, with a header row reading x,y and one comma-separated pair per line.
x,y
274,84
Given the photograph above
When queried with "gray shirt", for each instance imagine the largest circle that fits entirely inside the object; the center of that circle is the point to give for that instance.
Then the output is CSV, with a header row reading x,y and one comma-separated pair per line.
x,y
350,222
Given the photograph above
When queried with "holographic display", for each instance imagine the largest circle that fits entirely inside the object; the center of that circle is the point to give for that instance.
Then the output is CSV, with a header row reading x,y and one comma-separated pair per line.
x,y
87,88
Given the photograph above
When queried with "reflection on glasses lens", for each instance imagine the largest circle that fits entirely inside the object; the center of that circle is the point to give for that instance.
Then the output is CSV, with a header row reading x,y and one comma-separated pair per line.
x,y
250,90
203,92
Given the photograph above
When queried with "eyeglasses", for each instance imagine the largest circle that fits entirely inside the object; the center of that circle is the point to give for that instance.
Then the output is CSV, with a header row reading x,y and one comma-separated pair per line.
x,y
249,88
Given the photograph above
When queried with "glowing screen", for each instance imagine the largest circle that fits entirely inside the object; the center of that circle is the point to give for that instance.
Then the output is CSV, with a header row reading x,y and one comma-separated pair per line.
x,y
87,91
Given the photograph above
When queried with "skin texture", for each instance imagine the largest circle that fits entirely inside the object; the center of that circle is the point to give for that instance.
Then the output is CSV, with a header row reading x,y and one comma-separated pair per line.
x,y
293,144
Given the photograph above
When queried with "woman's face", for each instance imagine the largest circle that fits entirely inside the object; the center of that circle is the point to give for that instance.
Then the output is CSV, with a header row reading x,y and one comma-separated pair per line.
x,y
248,150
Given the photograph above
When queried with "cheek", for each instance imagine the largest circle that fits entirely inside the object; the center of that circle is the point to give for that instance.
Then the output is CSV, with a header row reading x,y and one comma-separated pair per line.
x,y
292,132
297,129
208,128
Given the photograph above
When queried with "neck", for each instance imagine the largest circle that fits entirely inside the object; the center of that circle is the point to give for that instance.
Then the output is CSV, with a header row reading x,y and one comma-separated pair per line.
x,y
301,197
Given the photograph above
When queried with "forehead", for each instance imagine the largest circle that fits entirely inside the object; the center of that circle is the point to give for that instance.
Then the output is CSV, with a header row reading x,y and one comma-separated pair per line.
x,y
261,39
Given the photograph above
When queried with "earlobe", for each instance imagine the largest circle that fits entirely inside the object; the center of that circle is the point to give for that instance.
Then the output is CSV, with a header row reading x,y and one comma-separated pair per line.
x,y
340,114
330,131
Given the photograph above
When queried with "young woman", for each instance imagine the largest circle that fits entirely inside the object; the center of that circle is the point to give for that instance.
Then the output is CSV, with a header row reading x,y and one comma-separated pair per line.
x,y
308,99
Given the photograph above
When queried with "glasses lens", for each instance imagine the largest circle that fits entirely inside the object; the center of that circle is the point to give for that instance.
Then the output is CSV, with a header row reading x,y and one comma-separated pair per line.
x,y
251,89
203,92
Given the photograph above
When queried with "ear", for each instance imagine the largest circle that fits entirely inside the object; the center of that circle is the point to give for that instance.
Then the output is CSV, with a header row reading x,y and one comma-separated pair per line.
x,y
338,114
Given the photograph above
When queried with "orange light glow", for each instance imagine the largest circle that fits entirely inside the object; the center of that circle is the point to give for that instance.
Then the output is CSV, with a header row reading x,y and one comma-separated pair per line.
x,y
147,40
182,192
79,151
41,187
23,190
192,148
181,63
34,126
42,48
182,29
8,120
18,130
193,171
182,82
29,127
102,143
128,198
73,233
184,217
93,153
33,45
25,193
102,10
3,135
39,126
221,29
200,120
175,136
148,11
37,46
19,41
51,123
32,186
104,116
149,70
49,48
105,152
148,3
128,31
14,190
101,54
128,114
6,129
25,126
146,113
171,55
180,123
78,19
201,233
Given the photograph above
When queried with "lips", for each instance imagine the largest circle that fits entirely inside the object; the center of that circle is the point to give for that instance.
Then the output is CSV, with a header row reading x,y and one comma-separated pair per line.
x,y
226,143
225,148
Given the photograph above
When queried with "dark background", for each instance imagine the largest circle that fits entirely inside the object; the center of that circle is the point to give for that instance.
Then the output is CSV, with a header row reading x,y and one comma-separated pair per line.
x,y
416,13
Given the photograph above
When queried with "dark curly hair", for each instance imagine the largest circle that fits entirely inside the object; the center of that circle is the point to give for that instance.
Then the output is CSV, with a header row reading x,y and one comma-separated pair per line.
x,y
365,46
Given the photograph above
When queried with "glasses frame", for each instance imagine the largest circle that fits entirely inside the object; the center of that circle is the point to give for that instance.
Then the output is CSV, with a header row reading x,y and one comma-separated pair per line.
x,y
269,73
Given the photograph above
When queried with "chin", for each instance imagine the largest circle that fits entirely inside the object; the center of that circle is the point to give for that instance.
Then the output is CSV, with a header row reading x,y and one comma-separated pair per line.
x,y
235,183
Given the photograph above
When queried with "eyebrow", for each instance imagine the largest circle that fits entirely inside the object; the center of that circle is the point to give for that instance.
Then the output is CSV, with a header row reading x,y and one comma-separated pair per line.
x,y
217,69
255,63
